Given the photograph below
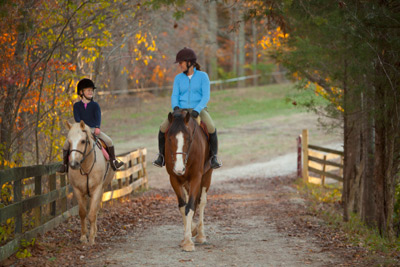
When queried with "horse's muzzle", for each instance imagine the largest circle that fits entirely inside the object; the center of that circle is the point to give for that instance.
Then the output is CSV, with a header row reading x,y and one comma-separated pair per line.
x,y
74,165
179,172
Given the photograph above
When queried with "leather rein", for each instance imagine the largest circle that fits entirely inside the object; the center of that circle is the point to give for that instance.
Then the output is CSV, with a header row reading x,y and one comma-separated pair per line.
x,y
84,156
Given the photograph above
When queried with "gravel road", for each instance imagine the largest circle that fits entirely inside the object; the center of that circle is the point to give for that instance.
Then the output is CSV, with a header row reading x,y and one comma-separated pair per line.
x,y
240,222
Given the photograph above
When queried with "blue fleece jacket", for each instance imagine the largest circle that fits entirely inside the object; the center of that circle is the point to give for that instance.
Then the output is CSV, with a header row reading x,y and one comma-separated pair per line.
x,y
91,115
191,93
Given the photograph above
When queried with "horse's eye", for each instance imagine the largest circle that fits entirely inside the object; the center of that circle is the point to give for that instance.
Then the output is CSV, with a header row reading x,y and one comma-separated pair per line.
x,y
83,141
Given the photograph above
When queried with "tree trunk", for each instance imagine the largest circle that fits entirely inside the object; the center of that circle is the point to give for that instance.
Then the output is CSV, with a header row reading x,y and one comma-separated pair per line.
x,y
353,164
241,51
213,29
7,124
384,169
235,44
368,198
254,31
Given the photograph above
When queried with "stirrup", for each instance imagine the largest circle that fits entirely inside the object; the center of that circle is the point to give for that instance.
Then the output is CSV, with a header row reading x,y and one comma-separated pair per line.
x,y
215,164
115,164
157,162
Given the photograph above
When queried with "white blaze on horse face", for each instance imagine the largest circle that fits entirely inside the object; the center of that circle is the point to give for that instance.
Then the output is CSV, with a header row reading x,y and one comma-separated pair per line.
x,y
75,156
179,166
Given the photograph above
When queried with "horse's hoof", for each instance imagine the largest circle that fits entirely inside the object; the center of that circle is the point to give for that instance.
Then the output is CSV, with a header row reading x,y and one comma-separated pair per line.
x,y
201,239
83,239
188,247
91,241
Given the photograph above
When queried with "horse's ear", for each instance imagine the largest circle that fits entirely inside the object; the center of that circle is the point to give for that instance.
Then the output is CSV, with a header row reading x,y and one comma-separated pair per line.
x,y
69,126
187,117
170,117
82,124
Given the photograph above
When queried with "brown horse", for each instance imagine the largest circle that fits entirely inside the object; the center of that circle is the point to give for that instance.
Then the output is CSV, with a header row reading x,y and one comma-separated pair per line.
x,y
187,162
88,174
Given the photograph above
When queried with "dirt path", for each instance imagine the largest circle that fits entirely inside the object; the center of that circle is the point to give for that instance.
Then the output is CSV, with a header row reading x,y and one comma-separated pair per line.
x,y
251,221
242,218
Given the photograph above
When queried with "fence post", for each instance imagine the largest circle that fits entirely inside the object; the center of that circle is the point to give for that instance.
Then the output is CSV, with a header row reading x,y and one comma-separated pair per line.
x,y
52,186
305,154
144,164
324,170
341,169
63,202
299,171
18,198
38,192
139,162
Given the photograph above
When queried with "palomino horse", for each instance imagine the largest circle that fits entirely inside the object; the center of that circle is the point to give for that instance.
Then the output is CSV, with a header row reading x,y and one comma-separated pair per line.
x,y
88,174
187,162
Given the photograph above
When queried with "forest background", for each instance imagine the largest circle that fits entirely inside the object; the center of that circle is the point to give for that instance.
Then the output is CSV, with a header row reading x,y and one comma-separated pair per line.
x,y
345,51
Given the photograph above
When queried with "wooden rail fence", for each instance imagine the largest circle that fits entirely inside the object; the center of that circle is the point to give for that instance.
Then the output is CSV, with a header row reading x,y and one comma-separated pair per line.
x,y
40,199
329,163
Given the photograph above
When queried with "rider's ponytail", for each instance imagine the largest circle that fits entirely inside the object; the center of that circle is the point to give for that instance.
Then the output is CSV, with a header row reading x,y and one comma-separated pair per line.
x,y
196,65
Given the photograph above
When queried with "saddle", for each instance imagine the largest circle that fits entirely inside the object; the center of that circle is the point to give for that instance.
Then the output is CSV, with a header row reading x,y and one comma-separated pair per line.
x,y
102,146
203,126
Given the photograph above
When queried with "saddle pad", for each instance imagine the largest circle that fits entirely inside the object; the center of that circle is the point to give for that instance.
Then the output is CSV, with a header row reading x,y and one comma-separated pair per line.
x,y
102,145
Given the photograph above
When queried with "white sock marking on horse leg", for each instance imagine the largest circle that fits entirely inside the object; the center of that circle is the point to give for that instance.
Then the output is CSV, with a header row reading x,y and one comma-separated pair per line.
x,y
179,164
203,201
186,200
188,227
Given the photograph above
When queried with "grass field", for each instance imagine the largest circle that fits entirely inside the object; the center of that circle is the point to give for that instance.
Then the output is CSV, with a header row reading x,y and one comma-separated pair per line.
x,y
229,109
254,124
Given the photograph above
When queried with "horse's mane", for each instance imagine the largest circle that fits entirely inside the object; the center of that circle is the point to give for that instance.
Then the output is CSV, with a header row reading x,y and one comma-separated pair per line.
x,y
178,124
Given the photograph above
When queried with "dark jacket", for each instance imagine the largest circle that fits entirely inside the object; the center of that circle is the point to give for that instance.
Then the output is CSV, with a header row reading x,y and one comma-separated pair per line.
x,y
91,115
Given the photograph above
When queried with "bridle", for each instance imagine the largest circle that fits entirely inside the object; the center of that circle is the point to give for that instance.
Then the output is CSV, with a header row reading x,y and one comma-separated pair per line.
x,y
190,145
84,156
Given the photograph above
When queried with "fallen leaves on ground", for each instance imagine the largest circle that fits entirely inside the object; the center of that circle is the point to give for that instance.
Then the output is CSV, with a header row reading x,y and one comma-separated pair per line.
x,y
117,219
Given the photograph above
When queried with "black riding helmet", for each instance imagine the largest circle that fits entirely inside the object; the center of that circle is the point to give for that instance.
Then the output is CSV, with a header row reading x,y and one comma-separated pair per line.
x,y
186,54
84,83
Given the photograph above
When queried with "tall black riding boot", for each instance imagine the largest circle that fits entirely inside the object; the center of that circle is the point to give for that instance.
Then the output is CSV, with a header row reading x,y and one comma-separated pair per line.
x,y
64,167
115,164
159,162
215,164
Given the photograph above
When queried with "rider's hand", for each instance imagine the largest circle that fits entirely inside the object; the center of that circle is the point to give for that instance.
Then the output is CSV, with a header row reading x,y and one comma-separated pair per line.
x,y
194,114
176,108
96,131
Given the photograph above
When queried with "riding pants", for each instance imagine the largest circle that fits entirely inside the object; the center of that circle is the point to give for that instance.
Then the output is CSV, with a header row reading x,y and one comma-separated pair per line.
x,y
204,116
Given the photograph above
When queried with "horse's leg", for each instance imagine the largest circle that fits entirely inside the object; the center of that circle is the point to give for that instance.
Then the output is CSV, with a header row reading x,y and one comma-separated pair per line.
x,y
205,185
182,210
194,227
82,213
195,183
180,195
94,208
201,237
